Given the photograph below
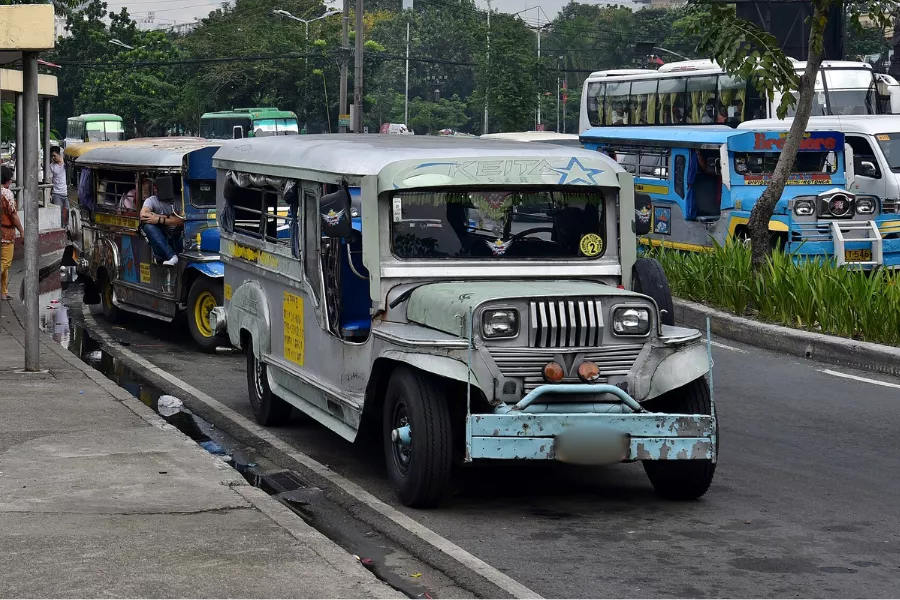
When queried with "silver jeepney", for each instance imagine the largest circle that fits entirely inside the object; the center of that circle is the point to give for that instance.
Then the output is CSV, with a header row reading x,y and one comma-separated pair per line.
x,y
472,299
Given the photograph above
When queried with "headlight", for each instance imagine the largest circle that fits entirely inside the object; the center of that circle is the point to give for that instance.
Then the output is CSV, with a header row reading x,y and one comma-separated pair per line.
x,y
500,323
865,205
631,321
804,207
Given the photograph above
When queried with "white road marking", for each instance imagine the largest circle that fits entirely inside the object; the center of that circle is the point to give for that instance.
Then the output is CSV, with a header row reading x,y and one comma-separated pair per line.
x,y
858,378
501,580
727,347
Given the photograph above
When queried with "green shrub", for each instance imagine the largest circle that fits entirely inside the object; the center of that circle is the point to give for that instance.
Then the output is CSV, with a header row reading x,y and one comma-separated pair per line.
x,y
813,295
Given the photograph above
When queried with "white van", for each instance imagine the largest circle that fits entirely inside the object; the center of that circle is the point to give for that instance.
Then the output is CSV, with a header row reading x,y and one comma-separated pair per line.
x,y
875,141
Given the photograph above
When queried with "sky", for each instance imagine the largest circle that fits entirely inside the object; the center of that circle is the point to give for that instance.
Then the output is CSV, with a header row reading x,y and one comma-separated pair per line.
x,y
170,12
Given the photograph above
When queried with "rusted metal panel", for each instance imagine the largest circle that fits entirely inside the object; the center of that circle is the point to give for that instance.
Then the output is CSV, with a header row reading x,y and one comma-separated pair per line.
x,y
658,448
655,425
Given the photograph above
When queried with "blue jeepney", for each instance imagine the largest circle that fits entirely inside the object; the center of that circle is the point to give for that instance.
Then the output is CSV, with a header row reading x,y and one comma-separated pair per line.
x,y
108,185
704,181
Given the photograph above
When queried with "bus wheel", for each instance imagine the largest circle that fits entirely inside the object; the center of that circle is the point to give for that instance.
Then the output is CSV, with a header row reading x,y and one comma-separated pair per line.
x,y
648,277
107,298
205,295
268,408
682,479
418,443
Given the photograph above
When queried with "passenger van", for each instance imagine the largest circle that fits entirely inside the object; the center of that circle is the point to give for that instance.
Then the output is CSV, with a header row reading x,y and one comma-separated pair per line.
x,y
704,183
107,242
446,324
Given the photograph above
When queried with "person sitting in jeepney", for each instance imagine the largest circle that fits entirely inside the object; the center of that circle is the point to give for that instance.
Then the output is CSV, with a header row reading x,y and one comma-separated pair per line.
x,y
162,227
130,199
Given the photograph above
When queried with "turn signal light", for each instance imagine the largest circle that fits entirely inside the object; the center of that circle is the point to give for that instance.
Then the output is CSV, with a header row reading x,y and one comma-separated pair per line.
x,y
553,372
588,372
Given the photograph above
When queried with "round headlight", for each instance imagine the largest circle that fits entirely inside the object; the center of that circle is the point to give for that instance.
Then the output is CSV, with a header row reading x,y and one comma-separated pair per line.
x,y
500,323
804,207
631,321
839,205
865,206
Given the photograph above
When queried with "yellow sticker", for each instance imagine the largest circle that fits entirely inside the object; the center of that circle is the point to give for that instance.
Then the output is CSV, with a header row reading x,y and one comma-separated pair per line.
x,y
883,138
227,292
145,273
591,244
294,347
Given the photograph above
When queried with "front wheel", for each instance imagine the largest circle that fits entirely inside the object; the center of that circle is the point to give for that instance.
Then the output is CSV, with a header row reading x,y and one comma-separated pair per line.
x,y
268,408
420,468
107,298
683,479
205,295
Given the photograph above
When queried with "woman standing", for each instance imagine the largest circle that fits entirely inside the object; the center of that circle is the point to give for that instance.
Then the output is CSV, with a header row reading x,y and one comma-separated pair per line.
x,y
9,224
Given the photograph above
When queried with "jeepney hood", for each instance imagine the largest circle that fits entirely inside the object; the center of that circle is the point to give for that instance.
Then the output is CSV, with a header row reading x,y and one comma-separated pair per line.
x,y
444,306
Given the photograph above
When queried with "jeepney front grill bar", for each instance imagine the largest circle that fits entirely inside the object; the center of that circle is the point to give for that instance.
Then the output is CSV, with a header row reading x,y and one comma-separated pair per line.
x,y
565,323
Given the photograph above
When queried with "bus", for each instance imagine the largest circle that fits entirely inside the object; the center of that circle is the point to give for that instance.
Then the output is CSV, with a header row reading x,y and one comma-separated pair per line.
x,y
95,127
698,92
247,122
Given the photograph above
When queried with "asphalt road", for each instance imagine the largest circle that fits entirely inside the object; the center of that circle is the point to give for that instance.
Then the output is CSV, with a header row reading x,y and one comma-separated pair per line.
x,y
804,502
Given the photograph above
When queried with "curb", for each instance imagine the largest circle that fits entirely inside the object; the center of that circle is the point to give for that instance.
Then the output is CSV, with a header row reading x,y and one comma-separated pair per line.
x,y
805,344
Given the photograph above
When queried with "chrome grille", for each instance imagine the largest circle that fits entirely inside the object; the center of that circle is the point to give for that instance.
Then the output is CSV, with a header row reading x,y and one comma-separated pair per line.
x,y
528,364
890,206
565,323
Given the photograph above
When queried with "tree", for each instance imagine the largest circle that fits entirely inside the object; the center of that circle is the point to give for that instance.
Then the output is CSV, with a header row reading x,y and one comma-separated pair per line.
x,y
745,51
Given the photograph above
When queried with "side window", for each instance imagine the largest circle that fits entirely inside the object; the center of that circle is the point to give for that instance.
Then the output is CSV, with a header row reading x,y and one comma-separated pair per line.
x,y
701,97
595,95
616,107
628,160
643,102
862,152
654,163
113,188
246,205
679,175
277,227
671,101
202,193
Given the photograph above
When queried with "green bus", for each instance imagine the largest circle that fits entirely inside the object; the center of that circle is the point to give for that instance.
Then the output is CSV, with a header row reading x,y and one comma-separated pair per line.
x,y
247,122
95,127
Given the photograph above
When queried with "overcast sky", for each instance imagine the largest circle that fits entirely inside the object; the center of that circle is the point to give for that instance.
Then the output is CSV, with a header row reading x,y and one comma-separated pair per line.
x,y
168,12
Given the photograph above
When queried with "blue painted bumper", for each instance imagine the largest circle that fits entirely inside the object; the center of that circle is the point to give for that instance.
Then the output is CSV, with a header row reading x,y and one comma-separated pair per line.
x,y
214,269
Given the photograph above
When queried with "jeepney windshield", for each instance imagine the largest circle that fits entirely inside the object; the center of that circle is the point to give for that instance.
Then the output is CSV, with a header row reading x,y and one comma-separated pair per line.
x,y
763,163
890,145
497,224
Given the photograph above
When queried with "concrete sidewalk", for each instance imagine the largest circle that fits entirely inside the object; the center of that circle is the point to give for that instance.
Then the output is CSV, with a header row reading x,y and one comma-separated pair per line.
x,y
101,497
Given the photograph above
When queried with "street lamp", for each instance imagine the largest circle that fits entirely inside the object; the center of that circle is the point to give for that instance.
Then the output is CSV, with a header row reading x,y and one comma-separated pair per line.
x,y
116,42
283,13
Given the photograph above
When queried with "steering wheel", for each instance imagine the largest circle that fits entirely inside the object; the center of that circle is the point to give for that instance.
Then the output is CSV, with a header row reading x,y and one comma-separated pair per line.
x,y
532,230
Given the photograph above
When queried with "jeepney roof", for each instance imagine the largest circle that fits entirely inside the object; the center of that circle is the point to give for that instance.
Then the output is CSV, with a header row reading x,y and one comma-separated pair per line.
x,y
74,151
148,152
663,136
360,155
871,124
531,136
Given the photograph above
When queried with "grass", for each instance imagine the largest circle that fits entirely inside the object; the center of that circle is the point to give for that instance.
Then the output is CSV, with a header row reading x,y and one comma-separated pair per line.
x,y
813,295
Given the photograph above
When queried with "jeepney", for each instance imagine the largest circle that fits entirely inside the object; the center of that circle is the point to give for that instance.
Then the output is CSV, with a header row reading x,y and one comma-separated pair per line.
x,y
441,320
704,182
108,184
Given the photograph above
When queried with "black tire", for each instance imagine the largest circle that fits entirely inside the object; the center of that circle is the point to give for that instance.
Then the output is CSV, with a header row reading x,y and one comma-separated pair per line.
x,y
419,472
107,293
204,295
648,277
682,479
269,409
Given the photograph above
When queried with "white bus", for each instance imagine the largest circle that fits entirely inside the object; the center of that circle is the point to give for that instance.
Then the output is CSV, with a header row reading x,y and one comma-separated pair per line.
x,y
697,92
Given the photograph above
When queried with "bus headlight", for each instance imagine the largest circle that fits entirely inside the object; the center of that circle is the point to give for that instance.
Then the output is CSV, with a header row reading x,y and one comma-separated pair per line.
x,y
865,205
631,321
804,206
500,323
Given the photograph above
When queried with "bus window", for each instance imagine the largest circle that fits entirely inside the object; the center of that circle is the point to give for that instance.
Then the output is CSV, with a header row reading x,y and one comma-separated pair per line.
x,y
595,95
732,98
643,102
701,100
654,163
672,97
616,108
851,91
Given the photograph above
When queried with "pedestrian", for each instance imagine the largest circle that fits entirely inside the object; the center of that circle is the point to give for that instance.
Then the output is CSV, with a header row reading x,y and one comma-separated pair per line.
x,y
9,224
59,195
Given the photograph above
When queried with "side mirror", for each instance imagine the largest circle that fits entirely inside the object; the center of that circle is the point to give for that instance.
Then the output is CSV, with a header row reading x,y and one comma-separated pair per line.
x,y
165,188
237,132
867,169
335,211
642,209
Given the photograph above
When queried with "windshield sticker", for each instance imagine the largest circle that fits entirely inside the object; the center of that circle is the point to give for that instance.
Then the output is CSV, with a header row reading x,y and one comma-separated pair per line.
x,y
793,179
662,220
398,209
538,171
642,215
883,138
591,244
499,247
332,218
575,173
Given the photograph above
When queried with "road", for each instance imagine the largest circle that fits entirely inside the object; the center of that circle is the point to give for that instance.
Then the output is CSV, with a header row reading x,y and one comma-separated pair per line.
x,y
804,502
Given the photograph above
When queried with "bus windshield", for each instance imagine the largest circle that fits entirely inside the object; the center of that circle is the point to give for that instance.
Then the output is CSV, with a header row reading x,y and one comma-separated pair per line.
x,y
890,145
494,224
104,131
267,127
763,163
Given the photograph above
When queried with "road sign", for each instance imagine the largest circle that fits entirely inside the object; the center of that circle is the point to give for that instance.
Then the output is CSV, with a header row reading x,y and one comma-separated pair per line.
x,y
343,120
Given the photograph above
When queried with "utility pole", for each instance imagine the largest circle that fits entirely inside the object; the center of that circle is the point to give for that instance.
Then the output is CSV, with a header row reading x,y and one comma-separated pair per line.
x,y
345,51
538,124
557,93
486,84
406,94
358,74
26,173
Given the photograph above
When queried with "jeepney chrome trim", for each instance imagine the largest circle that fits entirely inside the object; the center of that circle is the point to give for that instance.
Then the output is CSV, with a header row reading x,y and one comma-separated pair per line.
x,y
456,270
405,342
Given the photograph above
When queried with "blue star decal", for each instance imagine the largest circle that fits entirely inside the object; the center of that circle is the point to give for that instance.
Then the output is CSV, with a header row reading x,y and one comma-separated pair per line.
x,y
575,174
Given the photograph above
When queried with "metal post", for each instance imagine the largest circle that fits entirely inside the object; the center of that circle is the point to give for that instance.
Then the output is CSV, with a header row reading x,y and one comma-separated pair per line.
x,y
47,177
27,157
306,80
539,64
345,49
406,94
557,96
486,85
358,73
20,131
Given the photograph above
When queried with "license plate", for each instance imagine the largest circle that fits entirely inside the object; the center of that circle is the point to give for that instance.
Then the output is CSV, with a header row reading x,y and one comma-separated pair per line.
x,y
857,255
592,445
